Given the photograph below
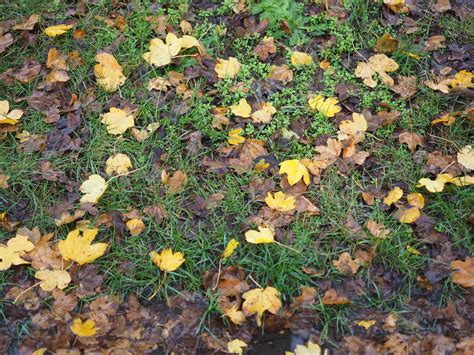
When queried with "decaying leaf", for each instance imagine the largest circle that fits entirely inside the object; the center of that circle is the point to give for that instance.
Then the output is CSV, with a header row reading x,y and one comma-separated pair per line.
x,y
378,64
135,226
463,272
346,265
260,300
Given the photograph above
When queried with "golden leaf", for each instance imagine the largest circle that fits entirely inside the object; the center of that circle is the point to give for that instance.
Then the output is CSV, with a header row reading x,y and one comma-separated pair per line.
x,y
78,248
57,30
12,252
295,171
393,196
83,329
463,79
93,188
328,107
236,316
264,115
260,300
310,349
235,346
280,202
229,249
301,58
52,279
118,163
135,226
263,235
346,265
408,215
378,64
242,109
436,185
227,68
167,260
416,199
117,121
7,117
234,136
366,323
108,72
353,129
161,53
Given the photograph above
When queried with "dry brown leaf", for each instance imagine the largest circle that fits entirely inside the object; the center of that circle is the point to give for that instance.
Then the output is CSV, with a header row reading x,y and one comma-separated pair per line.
x,y
346,265
331,297
463,272
412,140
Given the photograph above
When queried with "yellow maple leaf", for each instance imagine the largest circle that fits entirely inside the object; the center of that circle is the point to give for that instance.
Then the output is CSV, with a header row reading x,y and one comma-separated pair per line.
x,y
264,115
446,119
328,107
236,316
366,323
242,109
408,215
416,199
229,249
436,185
52,279
295,171
93,188
12,252
235,346
78,248
9,117
378,64
234,136
118,163
83,329
393,196
227,68
466,157
301,58
108,72
463,79
352,129
161,53
263,235
135,226
57,30
463,180
280,202
260,300
167,260
310,349
397,6
117,120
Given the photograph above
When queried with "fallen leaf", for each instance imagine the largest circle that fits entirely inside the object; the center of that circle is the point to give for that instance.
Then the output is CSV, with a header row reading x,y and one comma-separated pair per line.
x,y
12,252
463,79
135,226
264,115
416,199
436,185
9,117
463,272
108,72
4,181
52,279
408,215
377,229
263,50
176,182
235,136
78,248
281,73
236,316
280,202
309,349
378,64
118,163
386,44
28,24
227,68
366,323
301,58
295,171
434,43
57,30
331,297
159,84
397,6
117,120
393,196
346,265
406,86
411,139
162,53
167,260
242,109
446,119
83,329
229,249
235,346
466,157
263,235
93,188
328,107
260,300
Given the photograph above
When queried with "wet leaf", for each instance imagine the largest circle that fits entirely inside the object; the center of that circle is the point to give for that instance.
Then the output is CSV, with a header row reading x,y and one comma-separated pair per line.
x,y
236,346
393,196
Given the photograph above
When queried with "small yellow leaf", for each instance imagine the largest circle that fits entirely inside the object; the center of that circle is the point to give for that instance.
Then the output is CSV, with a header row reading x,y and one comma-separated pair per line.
x,y
412,250
263,235
118,163
234,136
393,196
227,68
408,215
310,349
301,58
167,260
78,248
262,165
235,346
135,226
463,180
264,115
463,79
242,109
161,53
53,278
12,252
236,316
260,300
93,188
416,199
83,329
446,119
117,121
57,30
280,202
436,185
108,72
328,107
40,351
466,157
9,117
366,323
229,249
295,171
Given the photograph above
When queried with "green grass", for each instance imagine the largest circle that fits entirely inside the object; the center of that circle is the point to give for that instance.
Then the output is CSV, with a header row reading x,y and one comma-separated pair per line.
x,y
319,239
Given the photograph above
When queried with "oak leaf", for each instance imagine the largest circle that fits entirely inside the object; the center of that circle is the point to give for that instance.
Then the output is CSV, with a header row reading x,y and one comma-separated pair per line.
x,y
227,68
260,300
78,248
12,252
93,188
52,279
108,72
263,235
117,120
295,171
83,329
167,260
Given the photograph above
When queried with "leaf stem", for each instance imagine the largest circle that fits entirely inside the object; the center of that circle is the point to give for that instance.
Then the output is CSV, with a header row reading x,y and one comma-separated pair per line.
x,y
159,287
